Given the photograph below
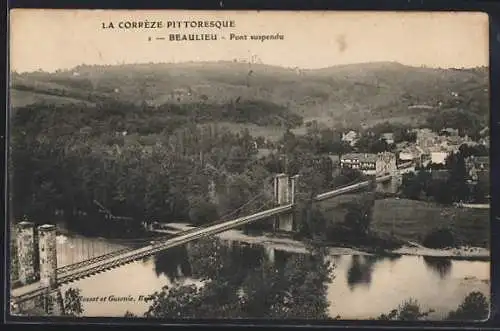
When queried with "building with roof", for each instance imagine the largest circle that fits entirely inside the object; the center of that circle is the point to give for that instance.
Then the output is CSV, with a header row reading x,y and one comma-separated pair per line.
x,y
410,153
369,163
364,162
439,157
425,138
388,137
449,132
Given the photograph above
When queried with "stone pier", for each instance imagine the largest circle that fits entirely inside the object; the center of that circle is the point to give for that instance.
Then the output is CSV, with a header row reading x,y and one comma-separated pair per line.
x,y
47,248
396,181
281,189
270,254
284,194
54,303
26,255
48,255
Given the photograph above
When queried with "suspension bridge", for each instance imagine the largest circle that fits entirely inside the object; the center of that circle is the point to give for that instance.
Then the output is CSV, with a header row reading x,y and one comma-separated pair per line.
x,y
94,262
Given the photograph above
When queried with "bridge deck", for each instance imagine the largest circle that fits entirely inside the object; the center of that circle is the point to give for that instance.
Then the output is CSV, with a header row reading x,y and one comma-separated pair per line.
x,y
85,270
350,188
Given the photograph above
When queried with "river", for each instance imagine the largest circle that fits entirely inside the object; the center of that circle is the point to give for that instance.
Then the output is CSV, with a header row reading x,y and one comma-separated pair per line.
x,y
363,286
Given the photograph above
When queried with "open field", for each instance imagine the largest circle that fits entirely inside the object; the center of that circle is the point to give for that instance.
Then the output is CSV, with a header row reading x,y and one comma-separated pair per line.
x,y
414,219
20,98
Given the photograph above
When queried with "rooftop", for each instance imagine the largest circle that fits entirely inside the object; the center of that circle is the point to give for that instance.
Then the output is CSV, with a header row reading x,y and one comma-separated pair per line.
x,y
362,157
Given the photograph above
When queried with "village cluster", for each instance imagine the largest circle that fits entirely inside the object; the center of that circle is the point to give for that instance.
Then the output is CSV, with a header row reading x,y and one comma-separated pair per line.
x,y
429,148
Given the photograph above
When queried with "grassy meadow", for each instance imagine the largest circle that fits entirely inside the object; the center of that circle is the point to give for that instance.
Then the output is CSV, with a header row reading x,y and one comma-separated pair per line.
x,y
412,220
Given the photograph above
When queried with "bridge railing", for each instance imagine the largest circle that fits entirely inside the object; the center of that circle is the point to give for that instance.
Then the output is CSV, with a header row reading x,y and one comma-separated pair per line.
x,y
76,265
341,190
151,249
203,226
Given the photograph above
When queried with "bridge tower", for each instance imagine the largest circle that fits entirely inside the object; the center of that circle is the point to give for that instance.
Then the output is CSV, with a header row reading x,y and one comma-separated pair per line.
x,y
386,165
26,255
269,252
284,194
47,247
48,255
396,180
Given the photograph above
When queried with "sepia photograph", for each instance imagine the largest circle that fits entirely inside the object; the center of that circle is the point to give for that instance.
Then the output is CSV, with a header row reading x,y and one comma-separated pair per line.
x,y
176,165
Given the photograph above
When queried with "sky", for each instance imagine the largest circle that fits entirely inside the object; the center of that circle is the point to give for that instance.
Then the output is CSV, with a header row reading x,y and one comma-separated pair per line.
x,y
47,39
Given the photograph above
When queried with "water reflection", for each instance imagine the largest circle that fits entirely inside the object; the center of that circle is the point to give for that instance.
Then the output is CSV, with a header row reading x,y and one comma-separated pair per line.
x,y
245,281
251,280
393,257
360,271
173,263
441,266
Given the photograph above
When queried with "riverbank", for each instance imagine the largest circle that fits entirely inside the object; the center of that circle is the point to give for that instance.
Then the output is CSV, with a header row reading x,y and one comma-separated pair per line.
x,y
295,246
460,253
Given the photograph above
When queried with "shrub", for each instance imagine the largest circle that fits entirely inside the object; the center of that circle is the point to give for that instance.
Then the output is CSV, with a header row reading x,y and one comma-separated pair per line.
x,y
409,310
474,307
439,238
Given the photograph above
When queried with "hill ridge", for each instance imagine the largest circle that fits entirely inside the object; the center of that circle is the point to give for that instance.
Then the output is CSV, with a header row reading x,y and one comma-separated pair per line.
x,y
353,93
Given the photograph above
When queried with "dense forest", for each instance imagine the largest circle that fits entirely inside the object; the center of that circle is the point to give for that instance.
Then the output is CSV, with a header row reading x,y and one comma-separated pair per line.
x,y
119,157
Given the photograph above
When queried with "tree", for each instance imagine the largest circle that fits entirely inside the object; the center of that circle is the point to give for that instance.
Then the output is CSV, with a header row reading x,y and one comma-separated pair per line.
x,y
481,190
129,314
439,190
439,238
73,302
457,182
312,181
202,211
474,307
348,176
359,215
473,150
409,310
415,185
371,144
297,290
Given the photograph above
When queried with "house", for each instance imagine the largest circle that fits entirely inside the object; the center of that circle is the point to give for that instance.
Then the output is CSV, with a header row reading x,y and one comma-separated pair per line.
x,y
449,132
368,163
365,162
350,137
388,137
425,138
410,153
439,157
